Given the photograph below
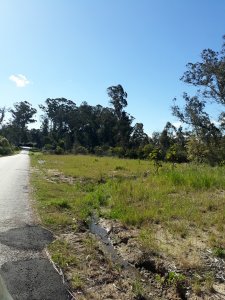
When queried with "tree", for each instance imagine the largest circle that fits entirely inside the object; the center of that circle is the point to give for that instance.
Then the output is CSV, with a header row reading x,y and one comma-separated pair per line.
x,y
2,114
194,115
59,120
22,115
139,137
118,98
58,111
208,76
122,128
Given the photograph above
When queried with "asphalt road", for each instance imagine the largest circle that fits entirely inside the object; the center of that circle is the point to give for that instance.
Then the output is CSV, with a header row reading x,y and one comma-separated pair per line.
x,y
24,268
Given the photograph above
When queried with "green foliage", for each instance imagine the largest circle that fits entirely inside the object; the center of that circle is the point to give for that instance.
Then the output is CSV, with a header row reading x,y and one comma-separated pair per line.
x,y
156,157
80,150
118,151
175,278
146,150
206,141
59,150
22,115
219,252
48,147
117,98
5,147
176,154
62,254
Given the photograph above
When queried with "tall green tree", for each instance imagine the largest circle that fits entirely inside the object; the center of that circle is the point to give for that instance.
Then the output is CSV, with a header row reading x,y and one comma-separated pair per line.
x,y
139,137
118,98
22,115
208,76
58,120
123,127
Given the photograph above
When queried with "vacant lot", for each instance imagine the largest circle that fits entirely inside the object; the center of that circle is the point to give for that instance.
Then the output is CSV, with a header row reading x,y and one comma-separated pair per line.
x,y
159,235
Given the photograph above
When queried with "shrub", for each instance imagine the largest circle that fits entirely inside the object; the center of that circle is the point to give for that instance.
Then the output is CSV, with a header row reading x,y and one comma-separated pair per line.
x,y
48,147
99,151
5,147
59,150
118,151
80,150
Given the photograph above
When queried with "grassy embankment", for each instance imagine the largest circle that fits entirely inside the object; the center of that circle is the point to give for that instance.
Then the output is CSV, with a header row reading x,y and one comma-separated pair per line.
x,y
178,211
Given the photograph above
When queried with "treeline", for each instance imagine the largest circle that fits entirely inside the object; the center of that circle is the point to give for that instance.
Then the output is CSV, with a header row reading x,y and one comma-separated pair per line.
x,y
68,128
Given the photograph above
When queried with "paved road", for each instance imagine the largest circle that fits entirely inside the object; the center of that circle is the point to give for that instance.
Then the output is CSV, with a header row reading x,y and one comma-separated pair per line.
x,y
24,268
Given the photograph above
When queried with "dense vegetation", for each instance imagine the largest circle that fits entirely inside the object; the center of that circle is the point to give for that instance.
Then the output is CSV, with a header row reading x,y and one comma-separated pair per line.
x,y
84,129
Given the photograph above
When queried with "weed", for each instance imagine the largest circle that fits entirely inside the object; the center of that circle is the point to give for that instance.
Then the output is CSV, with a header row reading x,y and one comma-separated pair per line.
x,y
62,253
174,278
120,168
77,282
60,204
219,252
160,279
148,240
137,288
196,285
209,281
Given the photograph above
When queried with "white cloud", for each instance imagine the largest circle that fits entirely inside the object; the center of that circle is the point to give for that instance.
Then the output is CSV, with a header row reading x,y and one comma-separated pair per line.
x,y
20,80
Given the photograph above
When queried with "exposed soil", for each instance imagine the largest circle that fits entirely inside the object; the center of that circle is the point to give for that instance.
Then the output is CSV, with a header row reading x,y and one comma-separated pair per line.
x,y
112,264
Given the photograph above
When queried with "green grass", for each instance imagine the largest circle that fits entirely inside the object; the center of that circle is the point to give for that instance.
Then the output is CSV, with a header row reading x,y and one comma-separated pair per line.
x,y
181,199
62,254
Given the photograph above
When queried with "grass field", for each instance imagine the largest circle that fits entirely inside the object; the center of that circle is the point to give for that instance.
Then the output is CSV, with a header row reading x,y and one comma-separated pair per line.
x,y
179,212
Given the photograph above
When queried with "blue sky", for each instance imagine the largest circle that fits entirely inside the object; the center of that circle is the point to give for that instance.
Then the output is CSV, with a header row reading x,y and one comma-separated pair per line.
x,y
77,48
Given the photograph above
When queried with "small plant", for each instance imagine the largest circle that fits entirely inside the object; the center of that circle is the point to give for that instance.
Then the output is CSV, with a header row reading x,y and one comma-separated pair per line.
x,y
148,240
156,157
137,288
77,282
175,278
219,252
209,281
160,279
117,168
62,253
60,204
196,286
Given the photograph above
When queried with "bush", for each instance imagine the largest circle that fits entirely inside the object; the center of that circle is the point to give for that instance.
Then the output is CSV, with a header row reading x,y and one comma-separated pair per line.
x,y
80,150
118,151
48,147
99,151
176,154
5,147
59,150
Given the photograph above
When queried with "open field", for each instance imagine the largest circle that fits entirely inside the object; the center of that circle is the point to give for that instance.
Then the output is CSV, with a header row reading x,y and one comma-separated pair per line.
x,y
168,225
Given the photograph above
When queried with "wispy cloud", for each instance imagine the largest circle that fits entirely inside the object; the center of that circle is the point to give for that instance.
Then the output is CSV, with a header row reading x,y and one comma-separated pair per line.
x,y
20,80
